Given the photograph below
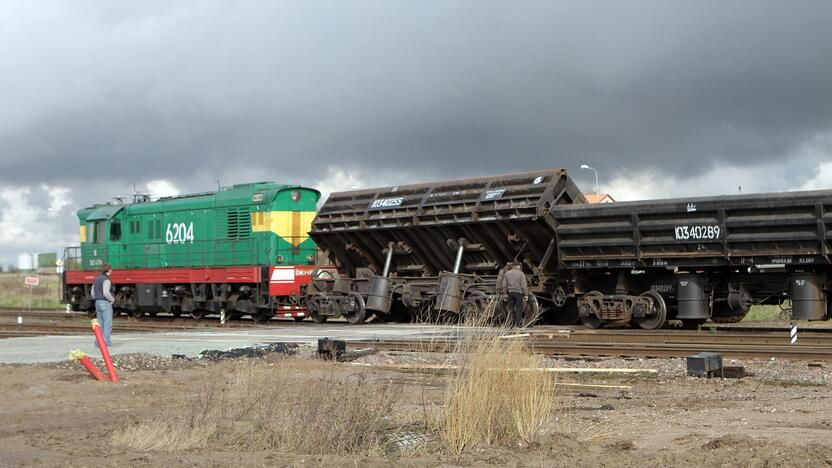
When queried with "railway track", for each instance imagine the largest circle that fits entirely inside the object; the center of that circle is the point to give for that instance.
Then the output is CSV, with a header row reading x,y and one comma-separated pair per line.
x,y
733,341
20,322
634,343
188,322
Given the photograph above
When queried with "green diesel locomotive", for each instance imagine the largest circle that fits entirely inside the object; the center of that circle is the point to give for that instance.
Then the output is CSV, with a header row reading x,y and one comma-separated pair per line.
x,y
241,250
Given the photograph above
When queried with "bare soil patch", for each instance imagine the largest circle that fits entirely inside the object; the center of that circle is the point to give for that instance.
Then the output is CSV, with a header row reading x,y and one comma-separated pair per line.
x,y
55,415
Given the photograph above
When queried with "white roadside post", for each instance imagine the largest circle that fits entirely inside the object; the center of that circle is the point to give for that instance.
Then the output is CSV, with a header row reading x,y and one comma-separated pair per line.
x,y
793,333
31,282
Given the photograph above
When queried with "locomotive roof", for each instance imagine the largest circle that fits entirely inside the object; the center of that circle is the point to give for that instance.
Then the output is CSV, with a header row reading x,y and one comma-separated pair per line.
x,y
239,194
103,212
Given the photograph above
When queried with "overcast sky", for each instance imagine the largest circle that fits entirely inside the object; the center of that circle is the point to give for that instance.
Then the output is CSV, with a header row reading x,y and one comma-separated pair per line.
x,y
664,98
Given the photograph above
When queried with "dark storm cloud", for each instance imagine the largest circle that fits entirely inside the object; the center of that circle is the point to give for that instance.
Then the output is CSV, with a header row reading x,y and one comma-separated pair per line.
x,y
200,90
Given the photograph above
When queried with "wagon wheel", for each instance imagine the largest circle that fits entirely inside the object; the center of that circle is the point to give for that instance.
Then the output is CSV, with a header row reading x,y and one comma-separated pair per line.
x,y
568,314
312,307
471,311
659,312
693,324
360,313
591,320
199,314
262,316
136,314
426,313
722,313
318,318
532,311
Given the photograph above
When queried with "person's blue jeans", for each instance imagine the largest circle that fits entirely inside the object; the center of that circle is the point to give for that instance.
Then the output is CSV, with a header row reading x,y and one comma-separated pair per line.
x,y
104,314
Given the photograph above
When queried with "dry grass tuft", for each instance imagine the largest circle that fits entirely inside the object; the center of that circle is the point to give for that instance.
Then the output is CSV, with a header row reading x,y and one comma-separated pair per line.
x,y
164,436
284,407
499,395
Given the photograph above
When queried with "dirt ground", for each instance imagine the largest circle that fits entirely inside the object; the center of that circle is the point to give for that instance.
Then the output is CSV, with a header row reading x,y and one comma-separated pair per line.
x,y
55,415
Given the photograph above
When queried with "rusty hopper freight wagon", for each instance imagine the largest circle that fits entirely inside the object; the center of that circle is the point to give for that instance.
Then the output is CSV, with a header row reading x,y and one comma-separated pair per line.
x,y
240,250
436,247
696,259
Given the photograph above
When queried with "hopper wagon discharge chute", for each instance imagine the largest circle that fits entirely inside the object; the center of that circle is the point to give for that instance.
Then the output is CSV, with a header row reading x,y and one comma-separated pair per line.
x,y
694,259
242,250
436,248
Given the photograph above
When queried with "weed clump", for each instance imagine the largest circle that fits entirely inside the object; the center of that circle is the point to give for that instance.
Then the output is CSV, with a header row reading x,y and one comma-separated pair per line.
x,y
280,407
499,394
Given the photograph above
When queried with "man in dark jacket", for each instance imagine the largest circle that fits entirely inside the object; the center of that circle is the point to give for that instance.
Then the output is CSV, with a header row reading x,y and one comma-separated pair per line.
x,y
514,283
104,302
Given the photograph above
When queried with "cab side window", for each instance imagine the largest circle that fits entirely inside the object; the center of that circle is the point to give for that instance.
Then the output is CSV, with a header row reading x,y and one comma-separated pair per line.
x,y
100,232
115,230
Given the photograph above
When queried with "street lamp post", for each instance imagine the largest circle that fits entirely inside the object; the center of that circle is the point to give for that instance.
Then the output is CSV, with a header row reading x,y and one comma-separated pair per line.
x,y
585,166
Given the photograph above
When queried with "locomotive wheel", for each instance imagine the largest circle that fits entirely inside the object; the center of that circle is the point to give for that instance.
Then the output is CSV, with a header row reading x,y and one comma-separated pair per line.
x,y
659,312
299,319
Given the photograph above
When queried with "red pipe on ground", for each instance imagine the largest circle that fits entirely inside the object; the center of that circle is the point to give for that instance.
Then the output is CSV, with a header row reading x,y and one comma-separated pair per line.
x,y
105,353
79,356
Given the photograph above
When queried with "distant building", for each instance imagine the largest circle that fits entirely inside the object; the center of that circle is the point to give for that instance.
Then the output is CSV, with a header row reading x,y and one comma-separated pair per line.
x,y
46,260
599,198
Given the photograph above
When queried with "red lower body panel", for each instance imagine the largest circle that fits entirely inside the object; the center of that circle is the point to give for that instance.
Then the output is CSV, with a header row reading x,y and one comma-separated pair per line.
x,y
244,274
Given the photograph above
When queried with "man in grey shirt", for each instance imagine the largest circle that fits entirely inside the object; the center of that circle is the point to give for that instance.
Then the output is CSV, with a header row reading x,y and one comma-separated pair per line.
x,y
514,283
104,302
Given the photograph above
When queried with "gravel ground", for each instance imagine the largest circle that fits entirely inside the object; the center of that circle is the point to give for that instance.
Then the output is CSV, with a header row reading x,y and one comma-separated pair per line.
x,y
780,416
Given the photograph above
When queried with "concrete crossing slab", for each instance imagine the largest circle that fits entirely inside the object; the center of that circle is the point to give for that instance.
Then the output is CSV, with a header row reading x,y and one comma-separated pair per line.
x,y
191,343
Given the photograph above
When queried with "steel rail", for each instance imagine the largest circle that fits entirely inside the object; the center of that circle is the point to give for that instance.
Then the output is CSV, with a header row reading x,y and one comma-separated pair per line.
x,y
622,348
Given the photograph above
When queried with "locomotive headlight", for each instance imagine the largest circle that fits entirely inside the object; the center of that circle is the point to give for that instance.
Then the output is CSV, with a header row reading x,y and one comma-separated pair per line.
x,y
295,195
310,259
280,259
